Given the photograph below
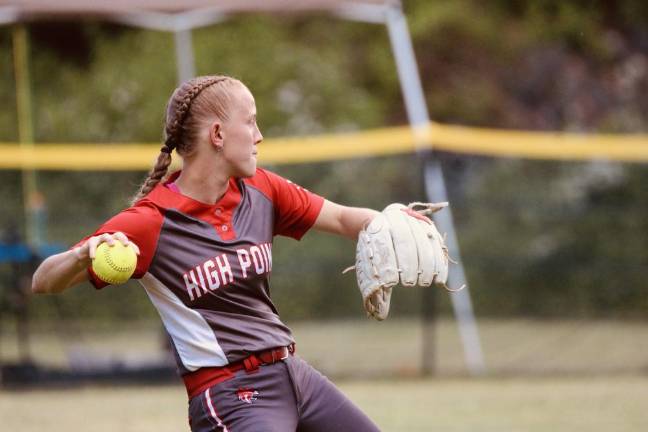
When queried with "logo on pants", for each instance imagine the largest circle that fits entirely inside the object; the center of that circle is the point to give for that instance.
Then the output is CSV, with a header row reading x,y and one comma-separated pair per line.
x,y
247,395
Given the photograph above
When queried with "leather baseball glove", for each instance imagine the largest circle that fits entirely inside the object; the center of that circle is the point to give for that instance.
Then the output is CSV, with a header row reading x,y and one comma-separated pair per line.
x,y
400,245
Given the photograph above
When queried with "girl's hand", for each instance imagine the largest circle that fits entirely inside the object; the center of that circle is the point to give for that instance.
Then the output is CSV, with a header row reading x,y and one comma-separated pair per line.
x,y
86,252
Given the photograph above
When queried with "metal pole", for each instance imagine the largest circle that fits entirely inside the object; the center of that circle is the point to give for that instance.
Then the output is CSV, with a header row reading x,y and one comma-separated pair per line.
x,y
184,55
436,191
461,302
32,200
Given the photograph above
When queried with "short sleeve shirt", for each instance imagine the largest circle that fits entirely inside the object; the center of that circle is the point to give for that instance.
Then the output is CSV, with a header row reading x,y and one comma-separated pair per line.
x,y
206,267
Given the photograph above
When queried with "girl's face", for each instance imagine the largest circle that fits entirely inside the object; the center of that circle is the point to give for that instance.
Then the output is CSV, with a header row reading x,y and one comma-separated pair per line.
x,y
240,134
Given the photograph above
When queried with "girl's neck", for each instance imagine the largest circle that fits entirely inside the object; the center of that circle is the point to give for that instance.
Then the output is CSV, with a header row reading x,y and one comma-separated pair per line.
x,y
204,185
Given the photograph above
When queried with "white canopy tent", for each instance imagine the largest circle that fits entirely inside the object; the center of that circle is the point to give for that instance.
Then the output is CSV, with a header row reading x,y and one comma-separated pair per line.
x,y
182,16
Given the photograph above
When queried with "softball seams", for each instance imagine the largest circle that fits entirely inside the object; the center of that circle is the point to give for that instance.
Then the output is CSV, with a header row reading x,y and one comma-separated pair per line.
x,y
113,265
110,280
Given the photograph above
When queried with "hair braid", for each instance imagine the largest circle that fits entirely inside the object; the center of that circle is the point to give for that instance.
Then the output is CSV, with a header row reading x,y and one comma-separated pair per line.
x,y
182,101
177,112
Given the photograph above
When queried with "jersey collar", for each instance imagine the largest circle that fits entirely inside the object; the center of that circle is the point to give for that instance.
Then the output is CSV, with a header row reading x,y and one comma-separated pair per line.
x,y
164,197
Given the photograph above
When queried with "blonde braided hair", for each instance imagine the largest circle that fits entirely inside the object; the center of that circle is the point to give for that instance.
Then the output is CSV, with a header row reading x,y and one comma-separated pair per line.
x,y
190,103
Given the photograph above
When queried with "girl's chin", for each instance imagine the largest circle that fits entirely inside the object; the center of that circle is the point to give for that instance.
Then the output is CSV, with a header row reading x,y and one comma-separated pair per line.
x,y
247,171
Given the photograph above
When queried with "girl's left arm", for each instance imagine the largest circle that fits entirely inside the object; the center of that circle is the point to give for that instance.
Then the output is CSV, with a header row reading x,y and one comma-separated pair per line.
x,y
345,221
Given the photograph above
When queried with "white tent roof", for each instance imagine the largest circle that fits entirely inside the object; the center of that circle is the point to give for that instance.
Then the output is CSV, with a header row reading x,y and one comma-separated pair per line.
x,y
39,9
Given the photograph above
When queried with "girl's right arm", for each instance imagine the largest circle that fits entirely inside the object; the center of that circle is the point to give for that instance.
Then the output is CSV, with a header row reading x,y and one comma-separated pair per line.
x,y
64,270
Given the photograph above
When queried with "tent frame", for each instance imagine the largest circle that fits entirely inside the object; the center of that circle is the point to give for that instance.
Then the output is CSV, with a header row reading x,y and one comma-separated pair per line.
x,y
390,14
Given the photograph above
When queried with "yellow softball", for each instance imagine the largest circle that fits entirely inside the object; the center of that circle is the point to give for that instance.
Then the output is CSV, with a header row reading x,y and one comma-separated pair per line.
x,y
114,264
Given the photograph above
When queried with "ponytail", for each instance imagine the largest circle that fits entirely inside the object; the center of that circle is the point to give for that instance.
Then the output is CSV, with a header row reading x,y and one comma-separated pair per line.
x,y
156,174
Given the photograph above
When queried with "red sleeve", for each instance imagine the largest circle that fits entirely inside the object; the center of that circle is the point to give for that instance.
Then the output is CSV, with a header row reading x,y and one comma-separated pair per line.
x,y
295,208
142,225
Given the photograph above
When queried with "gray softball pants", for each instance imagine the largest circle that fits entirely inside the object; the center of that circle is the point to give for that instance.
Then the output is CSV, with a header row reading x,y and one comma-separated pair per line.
x,y
287,396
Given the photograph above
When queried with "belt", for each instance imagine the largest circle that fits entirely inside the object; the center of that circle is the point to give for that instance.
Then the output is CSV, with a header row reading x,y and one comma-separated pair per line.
x,y
205,377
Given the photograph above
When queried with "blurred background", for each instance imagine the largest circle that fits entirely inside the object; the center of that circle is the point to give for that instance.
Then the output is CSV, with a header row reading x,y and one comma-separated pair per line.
x,y
554,250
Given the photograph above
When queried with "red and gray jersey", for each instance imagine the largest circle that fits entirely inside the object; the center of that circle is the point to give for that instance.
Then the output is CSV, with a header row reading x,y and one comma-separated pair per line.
x,y
206,267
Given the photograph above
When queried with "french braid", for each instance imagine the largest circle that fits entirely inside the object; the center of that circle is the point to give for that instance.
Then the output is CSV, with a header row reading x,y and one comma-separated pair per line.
x,y
175,130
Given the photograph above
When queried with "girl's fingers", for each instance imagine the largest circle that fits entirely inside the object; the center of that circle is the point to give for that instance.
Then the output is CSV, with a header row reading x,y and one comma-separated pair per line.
x,y
107,238
93,242
126,241
92,246
121,237
137,251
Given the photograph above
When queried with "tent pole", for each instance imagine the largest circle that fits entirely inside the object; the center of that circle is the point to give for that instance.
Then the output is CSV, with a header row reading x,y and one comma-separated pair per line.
x,y
184,55
436,191
32,199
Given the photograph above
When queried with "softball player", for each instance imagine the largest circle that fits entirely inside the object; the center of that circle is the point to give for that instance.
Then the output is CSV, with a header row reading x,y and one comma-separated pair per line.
x,y
204,239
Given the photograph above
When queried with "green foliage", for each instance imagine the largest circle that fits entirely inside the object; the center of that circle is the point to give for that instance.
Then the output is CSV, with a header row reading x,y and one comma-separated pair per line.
x,y
557,239
537,238
8,129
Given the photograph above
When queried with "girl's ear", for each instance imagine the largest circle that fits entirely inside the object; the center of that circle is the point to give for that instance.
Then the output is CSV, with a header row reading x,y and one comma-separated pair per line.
x,y
216,135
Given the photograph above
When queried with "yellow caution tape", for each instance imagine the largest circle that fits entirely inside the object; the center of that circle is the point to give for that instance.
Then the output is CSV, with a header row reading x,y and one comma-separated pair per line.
x,y
378,142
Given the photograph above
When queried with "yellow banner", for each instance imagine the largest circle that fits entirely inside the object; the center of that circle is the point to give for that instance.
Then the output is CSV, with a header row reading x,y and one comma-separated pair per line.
x,y
378,142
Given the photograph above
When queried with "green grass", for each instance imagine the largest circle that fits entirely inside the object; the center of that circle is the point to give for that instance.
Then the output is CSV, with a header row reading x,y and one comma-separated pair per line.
x,y
588,404
543,376
364,348
547,404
